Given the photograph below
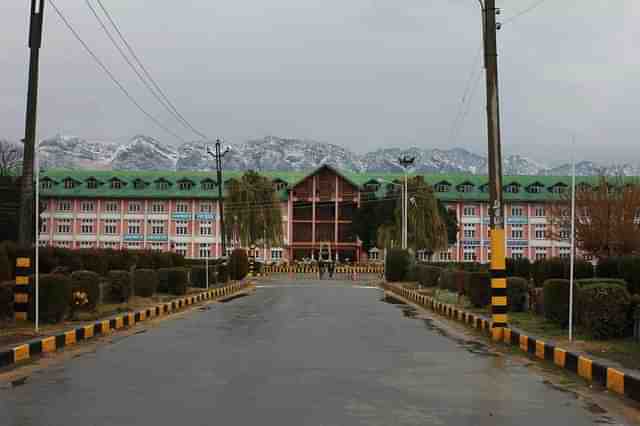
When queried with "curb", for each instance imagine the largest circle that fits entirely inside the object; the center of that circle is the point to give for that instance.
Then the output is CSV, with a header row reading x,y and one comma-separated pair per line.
x,y
613,379
55,342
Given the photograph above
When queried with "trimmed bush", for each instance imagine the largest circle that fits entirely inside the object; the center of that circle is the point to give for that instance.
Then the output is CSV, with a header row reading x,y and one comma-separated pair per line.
x,y
222,275
447,281
238,264
479,289
536,300
607,267
519,267
428,275
582,269
556,301
605,310
161,259
68,259
178,260
5,266
120,260
547,269
145,282
517,291
178,281
461,282
163,280
86,282
54,296
94,260
6,300
612,281
11,249
119,288
629,270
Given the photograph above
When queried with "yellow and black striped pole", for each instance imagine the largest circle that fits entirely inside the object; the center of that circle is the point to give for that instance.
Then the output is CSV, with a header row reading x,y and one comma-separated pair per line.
x,y
21,289
499,302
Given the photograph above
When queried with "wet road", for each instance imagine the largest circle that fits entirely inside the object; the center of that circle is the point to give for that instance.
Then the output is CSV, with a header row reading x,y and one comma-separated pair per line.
x,y
313,354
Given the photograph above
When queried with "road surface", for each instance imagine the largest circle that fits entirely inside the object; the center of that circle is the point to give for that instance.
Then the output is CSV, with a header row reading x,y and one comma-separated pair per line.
x,y
313,353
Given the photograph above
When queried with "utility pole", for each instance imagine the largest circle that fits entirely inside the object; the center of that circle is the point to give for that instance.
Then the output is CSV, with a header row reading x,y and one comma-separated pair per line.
x,y
499,303
218,157
26,232
405,162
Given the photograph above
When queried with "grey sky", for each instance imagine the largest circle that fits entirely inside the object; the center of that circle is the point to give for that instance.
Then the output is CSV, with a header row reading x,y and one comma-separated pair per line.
x,y
360,73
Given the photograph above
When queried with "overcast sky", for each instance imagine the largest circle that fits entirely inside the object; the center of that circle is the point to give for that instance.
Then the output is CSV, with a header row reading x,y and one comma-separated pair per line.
x,y
362,74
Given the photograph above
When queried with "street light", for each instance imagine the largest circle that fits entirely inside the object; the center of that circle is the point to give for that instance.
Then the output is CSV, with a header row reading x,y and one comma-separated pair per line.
x,y
403,191
405,162
218,157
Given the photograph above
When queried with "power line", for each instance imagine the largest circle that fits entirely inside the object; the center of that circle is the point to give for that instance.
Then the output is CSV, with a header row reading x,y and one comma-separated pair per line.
x,y
467,96
524,11
110,74
147,73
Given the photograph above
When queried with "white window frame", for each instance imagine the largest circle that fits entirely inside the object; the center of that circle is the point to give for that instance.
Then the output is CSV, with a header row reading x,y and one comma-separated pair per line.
x,y
540,253
64,226
517,211
469,211
539,211
181,248
64,206
87,206
206,207
469,253
157,227
134,225
206,228
182,227
517,252
540,231
182,207
112,206
157,207
135,207
204,251
517,232
110,226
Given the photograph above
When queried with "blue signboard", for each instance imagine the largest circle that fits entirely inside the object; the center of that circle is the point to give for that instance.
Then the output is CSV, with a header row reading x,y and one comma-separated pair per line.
x,y
517,220
517,243
181,216
132,237
473,243
206,216
157,237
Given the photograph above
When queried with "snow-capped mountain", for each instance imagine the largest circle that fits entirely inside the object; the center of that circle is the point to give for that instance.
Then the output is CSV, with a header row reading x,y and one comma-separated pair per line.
x,y
274,153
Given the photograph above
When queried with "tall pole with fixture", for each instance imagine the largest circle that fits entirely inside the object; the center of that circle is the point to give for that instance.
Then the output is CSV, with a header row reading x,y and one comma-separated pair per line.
x,y
573,238
218,157
405,162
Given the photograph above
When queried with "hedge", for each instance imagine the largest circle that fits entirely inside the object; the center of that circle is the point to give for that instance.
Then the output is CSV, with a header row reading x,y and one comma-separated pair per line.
x,y
119,288
517,291
163,280
556,301
590,281
397,265
605,310
479,292
547,269
89,283
178,281
462,281
428,275
6,300
519,267
145,282
94,260
222,276
199,276
5,265
54,295
238,264
446,281
10,248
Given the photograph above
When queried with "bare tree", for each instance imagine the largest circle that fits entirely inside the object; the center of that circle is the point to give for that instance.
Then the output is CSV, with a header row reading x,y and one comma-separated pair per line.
x,y
607,217
10,157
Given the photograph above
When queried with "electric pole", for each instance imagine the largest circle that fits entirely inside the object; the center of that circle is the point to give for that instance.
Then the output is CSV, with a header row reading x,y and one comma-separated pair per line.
x,y
26,232
405,162
499,303
218,157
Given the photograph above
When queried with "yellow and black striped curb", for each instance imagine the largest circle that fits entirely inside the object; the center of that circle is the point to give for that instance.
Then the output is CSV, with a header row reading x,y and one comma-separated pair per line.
x,y
614,380
104,327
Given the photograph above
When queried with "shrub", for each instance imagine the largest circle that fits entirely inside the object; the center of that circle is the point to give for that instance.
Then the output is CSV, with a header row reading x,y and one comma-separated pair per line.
x,y
479,289
629,270
519,267
537,300
517,290
162,259
547,269
6,300
94,260
605,310
145,282
11,249
461,282
119,288
446,279
612,281
5,266
178,260
178,281
428,275
163,280
54,296
199,276
144,260
222,275
556,301
86,282
120,260
48,260
582,269
238,264
68,259
607,267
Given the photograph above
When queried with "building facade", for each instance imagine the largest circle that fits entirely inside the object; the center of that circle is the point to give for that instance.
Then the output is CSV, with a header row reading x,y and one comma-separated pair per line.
x,y
179,211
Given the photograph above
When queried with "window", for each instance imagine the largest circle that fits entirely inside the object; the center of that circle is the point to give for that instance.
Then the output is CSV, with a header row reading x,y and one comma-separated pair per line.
x,y
206,207
205,228
64,226
185,185
636,217
541,253
156,246
157,227
469,211
512,189
517,233
133,227
182,207
583,187
110,244
374,254
64,205
535,189
111,207
539,212
558,189
134,246
565,252
46,184
208,185
87,244
157,207
86,226
110,227
182,227
469,254
517,253
116,184
517,211
540,232
44,226
445,256
181,249
92,183
162,185
63,244
135,207
205,250
276,254
442,187
69,183
469,230
139,184
229,250
484,188
466,187
489,255
87,206
279,186
565,233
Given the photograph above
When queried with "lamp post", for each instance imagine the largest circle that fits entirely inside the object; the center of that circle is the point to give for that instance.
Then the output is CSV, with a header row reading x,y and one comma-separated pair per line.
x,y
218,157
405,162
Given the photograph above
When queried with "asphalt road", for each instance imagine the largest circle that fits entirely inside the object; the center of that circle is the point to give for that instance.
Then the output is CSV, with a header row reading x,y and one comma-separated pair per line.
x,y
310,354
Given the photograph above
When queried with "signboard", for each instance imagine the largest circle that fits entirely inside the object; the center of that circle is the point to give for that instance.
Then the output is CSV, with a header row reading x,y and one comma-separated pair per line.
x,y
132,237
158,237
181,216
473,243
517,243
206,216
517,220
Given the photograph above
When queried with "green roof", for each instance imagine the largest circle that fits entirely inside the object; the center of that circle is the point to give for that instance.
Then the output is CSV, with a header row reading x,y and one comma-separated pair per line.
x,y
128,178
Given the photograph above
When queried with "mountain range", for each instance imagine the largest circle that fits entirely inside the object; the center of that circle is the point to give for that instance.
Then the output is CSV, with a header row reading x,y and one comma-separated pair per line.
x,y
273,153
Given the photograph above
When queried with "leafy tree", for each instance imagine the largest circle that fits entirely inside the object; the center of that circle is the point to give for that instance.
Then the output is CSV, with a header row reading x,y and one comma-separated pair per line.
x,y
252,210
373,214
450,221
10,158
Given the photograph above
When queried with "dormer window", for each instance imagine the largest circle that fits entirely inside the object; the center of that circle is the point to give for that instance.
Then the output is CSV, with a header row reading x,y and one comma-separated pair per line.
x,y
185,185
465,187
279,185
69,183
92,183
116,184
139,184
535,188
583,187
484,188
162,185
442,187
513,188
46,184
559,188
208,185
